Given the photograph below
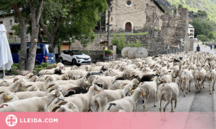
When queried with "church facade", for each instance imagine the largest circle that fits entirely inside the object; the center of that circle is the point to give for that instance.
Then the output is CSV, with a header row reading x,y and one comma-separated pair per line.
x,y
131,15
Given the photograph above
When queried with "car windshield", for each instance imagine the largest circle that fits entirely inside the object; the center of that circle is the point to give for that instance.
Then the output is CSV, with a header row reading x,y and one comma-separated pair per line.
x,y
49,49
77,52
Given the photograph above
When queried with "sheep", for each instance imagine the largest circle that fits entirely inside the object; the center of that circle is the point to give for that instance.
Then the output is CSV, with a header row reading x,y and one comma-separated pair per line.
x,y
103,97
79,73
79,82
55,77
66,107
211,76
76,90
128,104
119,83
6,97
168,92
42,86
91,78
104,82
187,78
35,104
117,73
199,77
17,86
28,94
82,101
149,89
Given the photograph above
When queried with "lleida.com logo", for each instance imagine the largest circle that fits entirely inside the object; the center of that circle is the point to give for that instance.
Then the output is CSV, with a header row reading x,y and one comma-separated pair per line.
x,y
11,120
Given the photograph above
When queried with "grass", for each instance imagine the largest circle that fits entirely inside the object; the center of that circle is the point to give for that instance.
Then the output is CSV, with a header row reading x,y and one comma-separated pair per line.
x,y
144,33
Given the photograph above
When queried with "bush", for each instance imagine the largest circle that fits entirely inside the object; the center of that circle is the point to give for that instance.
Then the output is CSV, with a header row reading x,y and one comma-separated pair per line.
x,y
44,64
119,42
137,44
109,52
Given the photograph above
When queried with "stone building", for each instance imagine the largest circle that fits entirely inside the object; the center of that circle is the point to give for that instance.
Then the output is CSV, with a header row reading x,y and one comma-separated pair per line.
x,y
8,21
130,15
191,31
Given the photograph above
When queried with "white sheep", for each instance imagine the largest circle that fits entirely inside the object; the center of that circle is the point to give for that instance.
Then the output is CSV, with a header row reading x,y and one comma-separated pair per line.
x,y
35,104
105,96
168,92
128,104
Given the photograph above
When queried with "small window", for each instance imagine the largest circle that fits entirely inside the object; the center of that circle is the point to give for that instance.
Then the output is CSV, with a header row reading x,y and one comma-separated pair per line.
x,y
111,18
11,34
146,5
129,3
11,22
1,22
111,9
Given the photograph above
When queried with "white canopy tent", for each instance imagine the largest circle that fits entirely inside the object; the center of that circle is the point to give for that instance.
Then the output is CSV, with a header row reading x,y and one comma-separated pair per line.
x,y
5,53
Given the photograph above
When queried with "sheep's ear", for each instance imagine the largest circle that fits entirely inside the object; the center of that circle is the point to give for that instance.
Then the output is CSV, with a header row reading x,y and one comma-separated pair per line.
x,y
54,109
62,103
15,79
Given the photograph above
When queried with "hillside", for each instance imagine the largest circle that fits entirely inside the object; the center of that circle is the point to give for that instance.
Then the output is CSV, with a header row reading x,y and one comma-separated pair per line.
x,y
194,5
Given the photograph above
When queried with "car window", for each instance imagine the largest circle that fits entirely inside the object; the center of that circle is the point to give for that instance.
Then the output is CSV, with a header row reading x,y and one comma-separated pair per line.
x,y
15,48
77,52
39,50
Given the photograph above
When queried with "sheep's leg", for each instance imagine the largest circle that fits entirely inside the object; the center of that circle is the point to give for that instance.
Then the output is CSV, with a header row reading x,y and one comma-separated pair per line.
x,y
175,103
203,83
155,100
167,102
145,102
160,102
189,85
97,106
196,86
213,84
144,107
172,107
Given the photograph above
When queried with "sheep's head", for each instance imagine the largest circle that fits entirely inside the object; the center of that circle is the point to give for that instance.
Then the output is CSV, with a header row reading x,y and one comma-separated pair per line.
x,y
56,93
33,88
4,83
68,107
66,77
84,82
8,96
35,78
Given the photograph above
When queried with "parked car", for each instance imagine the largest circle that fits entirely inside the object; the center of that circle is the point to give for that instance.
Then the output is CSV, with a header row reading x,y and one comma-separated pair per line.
x,y
74,57
44,53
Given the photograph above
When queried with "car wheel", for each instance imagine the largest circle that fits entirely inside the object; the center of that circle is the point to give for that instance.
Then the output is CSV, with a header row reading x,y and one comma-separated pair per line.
x,y
61,60
74,62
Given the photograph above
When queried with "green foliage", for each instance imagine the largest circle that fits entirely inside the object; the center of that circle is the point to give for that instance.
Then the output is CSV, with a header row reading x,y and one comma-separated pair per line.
x,y
15,66
109,52
156,29
180,6
211,35
119,42
202,26
136,44
79,24
203,38
44,64
86,51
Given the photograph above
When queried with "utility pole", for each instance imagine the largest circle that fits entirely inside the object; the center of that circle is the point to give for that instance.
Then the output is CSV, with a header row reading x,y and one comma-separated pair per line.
x,y
108,26
100,26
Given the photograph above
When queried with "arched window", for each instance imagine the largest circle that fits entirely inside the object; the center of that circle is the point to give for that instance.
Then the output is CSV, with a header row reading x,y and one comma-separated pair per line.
x,y
128,2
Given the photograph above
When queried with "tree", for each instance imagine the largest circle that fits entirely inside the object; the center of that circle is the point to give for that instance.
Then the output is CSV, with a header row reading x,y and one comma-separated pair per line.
x,y
180,6
211,35
79,18
203,38
202,26
17,5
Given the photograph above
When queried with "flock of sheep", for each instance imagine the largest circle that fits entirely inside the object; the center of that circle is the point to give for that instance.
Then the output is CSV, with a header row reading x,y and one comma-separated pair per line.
x,y
113,86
